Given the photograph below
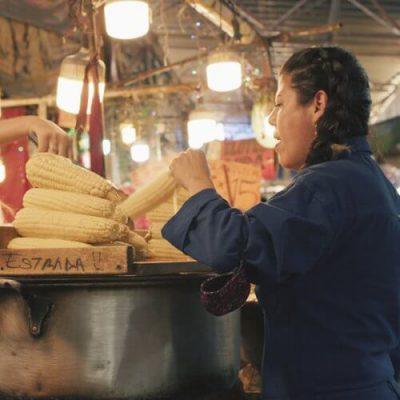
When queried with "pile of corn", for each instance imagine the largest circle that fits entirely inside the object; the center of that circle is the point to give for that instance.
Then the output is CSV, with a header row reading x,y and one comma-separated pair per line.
x,y
70,206
158,216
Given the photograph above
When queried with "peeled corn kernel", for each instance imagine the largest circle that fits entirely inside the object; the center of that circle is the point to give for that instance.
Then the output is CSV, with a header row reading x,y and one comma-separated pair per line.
x,y
51,171
37,243
34,222
148,196
78,203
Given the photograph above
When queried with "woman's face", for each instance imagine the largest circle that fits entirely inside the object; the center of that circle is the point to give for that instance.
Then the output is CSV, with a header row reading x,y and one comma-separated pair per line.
x,y
295,125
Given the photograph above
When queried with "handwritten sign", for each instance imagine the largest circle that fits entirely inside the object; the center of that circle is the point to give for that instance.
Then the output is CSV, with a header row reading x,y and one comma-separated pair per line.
x,y
238,183
99,260
249,152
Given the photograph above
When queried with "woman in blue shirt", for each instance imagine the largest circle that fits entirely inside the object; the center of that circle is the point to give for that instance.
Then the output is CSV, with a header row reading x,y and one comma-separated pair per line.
x,y
325,252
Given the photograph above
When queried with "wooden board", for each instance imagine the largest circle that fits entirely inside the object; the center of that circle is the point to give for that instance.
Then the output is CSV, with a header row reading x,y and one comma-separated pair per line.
x,y
103,260
83,261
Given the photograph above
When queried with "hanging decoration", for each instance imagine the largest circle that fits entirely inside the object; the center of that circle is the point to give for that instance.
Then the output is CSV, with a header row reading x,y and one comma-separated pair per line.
x,y
127,19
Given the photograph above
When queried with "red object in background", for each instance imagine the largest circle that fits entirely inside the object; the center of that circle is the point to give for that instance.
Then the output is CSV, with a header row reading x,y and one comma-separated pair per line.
x,y
96,135
14,155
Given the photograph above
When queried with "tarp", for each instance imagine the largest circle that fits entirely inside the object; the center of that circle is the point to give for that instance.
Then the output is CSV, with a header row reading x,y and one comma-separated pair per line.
x,y
46,14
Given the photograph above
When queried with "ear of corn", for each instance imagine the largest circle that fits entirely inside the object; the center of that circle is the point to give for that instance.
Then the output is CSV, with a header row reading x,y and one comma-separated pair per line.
x,y
160,248
37,243
78,203
137,241
148,196
34,222
50,171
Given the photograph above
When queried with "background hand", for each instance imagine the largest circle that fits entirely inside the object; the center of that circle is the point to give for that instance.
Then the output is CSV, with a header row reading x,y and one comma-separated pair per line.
x,y
51,138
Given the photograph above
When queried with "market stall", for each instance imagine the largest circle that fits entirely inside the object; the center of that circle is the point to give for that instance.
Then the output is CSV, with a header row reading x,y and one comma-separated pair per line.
x,y
95,303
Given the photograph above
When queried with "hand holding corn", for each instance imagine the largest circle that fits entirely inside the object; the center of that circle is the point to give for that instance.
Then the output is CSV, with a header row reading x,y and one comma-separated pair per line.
x,y
190,169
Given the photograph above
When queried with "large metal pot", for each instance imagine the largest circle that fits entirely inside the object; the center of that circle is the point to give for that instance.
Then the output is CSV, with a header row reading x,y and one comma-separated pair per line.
x,y
114,337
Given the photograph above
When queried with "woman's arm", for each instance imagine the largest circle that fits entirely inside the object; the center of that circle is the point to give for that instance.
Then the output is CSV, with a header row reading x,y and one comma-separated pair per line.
x,y
51,137
288,236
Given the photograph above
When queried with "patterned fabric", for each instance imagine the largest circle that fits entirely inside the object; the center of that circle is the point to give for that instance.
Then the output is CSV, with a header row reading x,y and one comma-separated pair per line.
x,y
225,293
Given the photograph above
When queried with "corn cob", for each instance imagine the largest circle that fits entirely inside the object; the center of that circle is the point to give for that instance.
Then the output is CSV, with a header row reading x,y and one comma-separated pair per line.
x,y
50,171
78,203
37,243
34,222
149,196
138,242
160,248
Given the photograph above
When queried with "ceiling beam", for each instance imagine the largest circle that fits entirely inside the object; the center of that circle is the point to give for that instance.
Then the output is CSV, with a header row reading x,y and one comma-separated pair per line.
x,y
221,16
289,13
375,17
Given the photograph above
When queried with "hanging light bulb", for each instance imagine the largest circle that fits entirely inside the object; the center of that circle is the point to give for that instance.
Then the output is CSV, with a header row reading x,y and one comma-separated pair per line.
x,y
127,19
202,128
70,82
128,133
106,147
2,171
224,72
140,152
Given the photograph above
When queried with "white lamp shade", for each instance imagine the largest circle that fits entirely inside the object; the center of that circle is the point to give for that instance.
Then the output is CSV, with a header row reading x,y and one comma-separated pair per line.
x,y
128,134
106,147
224,76
2,172
127,19
195,141
201,130
69,93
70,82
140,152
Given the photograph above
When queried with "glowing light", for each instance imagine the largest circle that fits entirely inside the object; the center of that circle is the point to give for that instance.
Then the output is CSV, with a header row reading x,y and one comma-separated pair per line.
x,y
106,147
224,72
220,132
128,133
140,152
70,82
127,19
202,128
3,173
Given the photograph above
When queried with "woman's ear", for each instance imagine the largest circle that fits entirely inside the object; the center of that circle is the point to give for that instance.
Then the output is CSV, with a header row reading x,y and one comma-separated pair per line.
x,y
320,104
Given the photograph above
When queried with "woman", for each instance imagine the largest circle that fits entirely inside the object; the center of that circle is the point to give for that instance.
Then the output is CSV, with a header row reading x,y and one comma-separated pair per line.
x,y
51,138
325,252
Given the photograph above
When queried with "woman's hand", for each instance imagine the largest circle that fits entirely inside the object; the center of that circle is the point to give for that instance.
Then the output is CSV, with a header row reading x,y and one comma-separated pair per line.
x,y
51,138
190,169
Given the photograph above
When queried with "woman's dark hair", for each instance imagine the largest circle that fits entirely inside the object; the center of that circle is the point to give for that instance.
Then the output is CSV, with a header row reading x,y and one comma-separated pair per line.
x,y
338,73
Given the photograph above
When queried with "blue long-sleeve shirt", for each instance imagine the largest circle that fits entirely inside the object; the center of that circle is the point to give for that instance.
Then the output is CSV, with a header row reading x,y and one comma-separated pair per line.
x,y
325,255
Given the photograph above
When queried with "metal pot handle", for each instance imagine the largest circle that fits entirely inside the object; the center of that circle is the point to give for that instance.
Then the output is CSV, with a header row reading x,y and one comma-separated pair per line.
x,y
39,307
